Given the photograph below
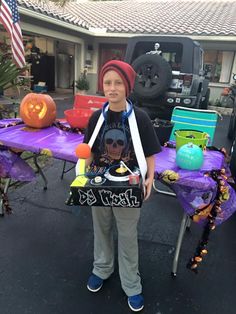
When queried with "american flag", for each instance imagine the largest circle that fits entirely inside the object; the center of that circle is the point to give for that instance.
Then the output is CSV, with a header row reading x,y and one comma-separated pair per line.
x,y
9,17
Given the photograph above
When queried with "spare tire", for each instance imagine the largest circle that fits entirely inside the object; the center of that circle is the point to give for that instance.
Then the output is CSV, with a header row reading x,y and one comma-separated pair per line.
x,y
154,76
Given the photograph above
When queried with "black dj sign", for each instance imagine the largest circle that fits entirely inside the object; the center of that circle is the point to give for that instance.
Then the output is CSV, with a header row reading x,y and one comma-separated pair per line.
x,y
116,194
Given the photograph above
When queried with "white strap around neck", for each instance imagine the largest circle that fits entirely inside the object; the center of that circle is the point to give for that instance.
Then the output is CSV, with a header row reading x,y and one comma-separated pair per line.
x,y
138,149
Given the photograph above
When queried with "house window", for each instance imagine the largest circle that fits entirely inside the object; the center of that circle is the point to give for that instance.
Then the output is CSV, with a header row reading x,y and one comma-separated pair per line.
x,y
218,65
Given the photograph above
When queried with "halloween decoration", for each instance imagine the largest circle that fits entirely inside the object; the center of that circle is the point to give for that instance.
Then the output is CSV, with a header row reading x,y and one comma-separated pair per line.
x,y
213,211
38,110
12,122
65,128
189,157
169,176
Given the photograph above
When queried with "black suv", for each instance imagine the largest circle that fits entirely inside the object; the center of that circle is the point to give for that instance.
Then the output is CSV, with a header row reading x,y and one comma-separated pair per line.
x,y
170,73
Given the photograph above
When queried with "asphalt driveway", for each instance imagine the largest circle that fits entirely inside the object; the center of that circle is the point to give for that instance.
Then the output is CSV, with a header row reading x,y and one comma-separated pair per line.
x,y
47,252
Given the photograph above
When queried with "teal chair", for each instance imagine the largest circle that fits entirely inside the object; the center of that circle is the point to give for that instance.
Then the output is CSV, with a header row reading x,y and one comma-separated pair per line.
x,y
189,119
194,119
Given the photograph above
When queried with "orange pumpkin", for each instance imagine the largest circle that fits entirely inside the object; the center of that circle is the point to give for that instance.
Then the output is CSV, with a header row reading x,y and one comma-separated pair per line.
x,y
38,110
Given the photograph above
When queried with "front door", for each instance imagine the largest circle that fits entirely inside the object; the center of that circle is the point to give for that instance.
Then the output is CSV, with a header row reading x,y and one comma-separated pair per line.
x,y
110,52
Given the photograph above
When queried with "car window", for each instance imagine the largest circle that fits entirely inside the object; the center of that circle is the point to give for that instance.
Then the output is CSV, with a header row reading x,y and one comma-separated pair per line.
x,y
171,52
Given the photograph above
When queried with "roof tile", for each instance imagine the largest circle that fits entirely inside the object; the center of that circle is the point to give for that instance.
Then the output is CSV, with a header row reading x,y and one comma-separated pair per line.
x,y
184,17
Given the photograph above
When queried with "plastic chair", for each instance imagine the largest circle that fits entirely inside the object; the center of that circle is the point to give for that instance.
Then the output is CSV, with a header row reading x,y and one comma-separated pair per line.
x,y
89,101
189,119
194,119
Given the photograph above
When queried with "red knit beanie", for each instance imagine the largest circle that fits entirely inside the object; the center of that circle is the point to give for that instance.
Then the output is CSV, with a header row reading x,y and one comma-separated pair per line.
x,y
125,71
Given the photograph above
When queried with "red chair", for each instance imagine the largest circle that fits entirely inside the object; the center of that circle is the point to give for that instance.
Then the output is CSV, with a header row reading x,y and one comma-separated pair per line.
x,y
89,102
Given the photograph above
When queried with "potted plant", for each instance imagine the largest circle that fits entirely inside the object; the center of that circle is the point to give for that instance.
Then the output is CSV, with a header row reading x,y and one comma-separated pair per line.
x,y
8,79
82,84
8,70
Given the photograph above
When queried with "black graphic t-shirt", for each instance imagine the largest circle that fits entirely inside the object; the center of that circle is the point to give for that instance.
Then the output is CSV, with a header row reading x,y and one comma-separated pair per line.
x,y
114,142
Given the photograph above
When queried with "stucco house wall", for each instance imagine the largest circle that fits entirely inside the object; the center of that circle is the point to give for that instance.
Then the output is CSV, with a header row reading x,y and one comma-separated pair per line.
x,y
85,27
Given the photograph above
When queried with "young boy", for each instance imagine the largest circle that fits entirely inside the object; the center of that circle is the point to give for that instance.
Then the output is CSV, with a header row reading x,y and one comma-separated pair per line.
x,y
117,141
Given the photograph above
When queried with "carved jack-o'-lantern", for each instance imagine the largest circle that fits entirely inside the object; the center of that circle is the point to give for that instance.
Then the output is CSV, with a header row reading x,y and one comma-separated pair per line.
x,y
38,110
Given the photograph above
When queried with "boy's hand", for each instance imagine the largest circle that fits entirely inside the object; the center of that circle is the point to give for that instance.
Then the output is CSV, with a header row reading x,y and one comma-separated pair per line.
x,y
147,188
150,176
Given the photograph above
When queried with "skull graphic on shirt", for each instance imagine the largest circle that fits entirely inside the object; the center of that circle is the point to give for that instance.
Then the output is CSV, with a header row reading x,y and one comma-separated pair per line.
x,y
114,143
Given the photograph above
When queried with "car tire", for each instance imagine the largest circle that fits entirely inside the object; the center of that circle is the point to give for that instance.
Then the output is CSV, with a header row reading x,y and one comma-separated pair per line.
x,y
154,76
205,102
232,127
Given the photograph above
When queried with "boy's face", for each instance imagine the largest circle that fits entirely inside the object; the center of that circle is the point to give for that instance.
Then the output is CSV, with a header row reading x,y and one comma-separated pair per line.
x,y
114,87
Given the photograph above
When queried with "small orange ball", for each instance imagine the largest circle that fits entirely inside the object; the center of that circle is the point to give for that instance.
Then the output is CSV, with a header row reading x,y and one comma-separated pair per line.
x,y
83,151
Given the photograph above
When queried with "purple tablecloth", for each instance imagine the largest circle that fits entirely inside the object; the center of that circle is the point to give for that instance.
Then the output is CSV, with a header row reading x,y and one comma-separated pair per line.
x,y
194,190
51,141
61,145
212,160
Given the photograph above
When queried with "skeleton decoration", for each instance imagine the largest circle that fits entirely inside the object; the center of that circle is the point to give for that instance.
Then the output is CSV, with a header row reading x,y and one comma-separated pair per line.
x,y
155,51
